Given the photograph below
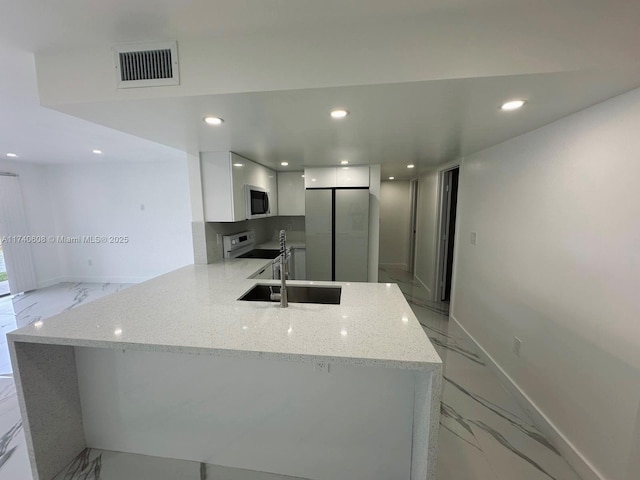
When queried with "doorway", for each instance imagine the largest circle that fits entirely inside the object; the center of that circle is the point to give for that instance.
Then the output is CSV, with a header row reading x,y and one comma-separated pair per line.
x,y
448,212
17,262
4,280
413,216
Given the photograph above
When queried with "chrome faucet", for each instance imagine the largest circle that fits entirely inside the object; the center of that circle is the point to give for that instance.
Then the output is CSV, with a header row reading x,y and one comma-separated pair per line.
x,y
284,271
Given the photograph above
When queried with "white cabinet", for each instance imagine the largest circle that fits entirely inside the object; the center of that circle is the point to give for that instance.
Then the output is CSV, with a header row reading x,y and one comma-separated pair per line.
x,y
265,273
299,263
319,177
352,177
331,177
224,176
296,265
272,186
290,193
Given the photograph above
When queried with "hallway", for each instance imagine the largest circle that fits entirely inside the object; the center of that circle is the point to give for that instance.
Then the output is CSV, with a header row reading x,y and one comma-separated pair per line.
x,y
484,434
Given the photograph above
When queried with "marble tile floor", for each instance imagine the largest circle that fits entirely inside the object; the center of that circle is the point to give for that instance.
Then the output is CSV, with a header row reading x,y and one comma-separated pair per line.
x,y
20,310
484,434
93,464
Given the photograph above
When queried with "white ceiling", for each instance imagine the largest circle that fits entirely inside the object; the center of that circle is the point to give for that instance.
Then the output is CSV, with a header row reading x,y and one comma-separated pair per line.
x,y
561,56
422,123
42,135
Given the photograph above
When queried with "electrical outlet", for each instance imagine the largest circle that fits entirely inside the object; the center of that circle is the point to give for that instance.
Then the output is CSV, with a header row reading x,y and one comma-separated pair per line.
x,y
90,262
322,367
142,207
517,345
474,238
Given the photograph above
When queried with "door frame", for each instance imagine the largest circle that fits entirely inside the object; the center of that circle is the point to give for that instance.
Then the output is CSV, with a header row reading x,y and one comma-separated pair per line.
x,y
413,224
440,250
18,256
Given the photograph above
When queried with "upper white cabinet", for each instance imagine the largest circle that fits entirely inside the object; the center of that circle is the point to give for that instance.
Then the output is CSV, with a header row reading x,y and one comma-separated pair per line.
x,y
290,193
331,177
352,176
319,177
224,176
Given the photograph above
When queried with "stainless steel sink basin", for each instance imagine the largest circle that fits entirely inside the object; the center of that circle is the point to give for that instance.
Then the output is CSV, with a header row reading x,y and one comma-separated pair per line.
x,y
295,293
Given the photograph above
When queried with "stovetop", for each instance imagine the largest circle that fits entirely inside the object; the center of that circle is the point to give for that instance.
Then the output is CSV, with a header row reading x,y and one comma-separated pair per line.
x,y
261,253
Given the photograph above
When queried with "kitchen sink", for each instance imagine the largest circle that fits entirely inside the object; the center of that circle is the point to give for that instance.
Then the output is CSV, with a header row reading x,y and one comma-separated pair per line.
x,y
295,294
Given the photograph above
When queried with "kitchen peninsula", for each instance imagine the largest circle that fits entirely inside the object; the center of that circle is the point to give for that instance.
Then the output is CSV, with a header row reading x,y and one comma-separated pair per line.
x,y
177,367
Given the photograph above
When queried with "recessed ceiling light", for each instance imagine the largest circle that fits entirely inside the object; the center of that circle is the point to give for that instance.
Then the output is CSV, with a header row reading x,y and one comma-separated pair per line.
x,y
513,105
213,120
302,176
392,178
12,155
345,162
411,166
96,151
238,164
284,164
339,113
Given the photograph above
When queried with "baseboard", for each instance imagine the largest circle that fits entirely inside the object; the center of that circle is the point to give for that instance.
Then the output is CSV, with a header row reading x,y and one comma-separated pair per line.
x,y
50,283
106,279
71,279
584,468
396,265
423,284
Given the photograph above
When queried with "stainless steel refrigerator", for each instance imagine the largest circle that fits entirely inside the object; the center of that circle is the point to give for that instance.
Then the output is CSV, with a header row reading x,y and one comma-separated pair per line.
x,y
337,234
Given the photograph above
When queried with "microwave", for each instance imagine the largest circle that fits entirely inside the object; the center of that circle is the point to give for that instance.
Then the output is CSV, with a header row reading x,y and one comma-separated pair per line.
x,y
257,201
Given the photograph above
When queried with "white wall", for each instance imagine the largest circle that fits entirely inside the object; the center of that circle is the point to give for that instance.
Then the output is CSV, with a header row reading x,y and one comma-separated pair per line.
x,y
395,213
39,215
108,199
427,224
333,54
633,471
557,263
374,222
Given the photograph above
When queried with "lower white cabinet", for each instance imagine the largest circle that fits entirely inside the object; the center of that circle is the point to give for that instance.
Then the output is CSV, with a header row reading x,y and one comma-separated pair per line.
x,y
265,273
297,267
299,263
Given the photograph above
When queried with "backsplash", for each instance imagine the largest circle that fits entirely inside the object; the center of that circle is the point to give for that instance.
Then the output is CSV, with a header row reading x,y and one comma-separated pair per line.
x,y
294,226
265,229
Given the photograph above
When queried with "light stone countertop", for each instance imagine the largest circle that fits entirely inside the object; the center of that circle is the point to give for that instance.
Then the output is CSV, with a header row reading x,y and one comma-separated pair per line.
x,y
195,310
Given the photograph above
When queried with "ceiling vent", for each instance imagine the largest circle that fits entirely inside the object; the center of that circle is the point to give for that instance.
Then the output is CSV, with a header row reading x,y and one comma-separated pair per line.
x,y
147,64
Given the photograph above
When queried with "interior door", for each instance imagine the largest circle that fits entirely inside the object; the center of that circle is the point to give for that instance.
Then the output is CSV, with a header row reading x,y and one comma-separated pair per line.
x,y
448,229
13,223
319,233
352,235
413,226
